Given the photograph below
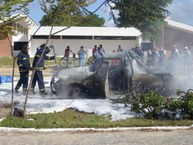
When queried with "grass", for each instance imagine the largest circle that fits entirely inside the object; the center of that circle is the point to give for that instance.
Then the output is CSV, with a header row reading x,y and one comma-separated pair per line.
x,y
73,119
8,62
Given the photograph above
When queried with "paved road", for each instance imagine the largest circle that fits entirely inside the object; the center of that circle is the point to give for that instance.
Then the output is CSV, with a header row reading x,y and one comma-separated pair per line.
x,y
127,137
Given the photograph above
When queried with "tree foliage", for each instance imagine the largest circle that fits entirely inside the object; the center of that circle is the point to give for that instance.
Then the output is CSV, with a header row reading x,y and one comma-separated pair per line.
x,y
146,15
68,13
7,9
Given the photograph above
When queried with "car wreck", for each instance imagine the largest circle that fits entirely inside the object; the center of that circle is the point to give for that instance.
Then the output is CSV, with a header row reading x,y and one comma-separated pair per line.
x,y
116,73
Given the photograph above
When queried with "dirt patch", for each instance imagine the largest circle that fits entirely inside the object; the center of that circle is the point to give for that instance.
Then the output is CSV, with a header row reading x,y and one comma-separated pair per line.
x,y
5,109
4,112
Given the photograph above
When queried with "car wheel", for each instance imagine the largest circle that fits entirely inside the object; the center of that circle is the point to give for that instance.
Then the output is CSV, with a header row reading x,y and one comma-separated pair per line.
x,y
55,84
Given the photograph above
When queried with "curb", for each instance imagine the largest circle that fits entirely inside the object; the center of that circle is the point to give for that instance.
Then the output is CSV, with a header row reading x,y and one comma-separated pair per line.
x,y
157,128
153,128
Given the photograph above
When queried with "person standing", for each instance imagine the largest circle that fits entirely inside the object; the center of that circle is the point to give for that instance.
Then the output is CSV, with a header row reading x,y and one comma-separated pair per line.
x,y
155,57
81,55
174,54
162,53
39,67
119,49
94,50
101,48
149,57
67,54
186,58
173,60
23,62
139,52
99,54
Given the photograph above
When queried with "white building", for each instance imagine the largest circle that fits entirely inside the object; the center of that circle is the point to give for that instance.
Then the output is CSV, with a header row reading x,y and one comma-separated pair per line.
x,y
109,37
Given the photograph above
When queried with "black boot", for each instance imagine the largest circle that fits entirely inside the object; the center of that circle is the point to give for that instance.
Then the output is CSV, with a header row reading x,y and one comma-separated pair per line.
x,y
43,93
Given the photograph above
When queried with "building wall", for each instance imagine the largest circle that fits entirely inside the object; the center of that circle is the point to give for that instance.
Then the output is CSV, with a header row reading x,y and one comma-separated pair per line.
x,y
60,45
19,38
5,49
176,37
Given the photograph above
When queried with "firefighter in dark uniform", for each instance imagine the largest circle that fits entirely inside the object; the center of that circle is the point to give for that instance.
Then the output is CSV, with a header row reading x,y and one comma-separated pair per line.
x,y
23,62
38,76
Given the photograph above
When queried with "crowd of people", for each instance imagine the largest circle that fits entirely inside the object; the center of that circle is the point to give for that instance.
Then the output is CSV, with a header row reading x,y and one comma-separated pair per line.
x,y
153,57
175,61
97,53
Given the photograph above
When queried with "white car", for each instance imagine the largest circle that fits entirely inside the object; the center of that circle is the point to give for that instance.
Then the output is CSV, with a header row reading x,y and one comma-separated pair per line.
x,y
120,72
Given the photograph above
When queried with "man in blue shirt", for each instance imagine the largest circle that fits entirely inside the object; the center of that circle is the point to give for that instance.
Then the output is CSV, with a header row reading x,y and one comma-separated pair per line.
x,y
81,55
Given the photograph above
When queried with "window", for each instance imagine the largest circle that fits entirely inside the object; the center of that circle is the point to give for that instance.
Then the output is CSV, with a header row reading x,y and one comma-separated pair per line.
x,y
76,37
114,38
45,37
19,45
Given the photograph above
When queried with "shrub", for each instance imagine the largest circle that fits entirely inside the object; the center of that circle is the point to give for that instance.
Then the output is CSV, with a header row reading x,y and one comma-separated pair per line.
x,y
149,104
187,104
154,106
172,104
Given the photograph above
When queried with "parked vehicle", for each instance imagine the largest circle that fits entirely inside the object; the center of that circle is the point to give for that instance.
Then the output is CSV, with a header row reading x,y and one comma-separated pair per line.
x,y
119,72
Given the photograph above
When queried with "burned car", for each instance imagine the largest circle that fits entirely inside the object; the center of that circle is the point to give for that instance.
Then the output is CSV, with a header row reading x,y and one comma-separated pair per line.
x,y
116,73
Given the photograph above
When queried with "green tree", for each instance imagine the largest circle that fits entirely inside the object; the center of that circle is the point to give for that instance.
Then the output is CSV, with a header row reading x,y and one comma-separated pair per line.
x,y
7,10
92,20
146,15
69,13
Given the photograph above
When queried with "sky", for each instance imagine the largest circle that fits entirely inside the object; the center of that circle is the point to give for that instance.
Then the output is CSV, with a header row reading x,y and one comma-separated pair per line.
x,y
181,11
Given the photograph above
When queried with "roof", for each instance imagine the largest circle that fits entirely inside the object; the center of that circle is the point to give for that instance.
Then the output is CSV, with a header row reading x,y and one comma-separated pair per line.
x,y
86,31
27,21
179,26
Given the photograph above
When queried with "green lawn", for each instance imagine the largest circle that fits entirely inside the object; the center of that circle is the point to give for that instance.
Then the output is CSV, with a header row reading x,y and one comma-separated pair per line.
x,y
8,62
72,119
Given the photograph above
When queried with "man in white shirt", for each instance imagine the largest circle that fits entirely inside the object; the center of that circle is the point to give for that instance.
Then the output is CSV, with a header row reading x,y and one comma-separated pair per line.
x,y
99,54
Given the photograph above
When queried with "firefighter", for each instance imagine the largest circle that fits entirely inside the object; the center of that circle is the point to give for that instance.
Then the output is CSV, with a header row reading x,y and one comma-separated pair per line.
x,y
23,62
39,67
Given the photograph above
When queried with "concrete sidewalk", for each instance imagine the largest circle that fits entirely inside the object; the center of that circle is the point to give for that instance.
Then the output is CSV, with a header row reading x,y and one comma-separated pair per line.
x,y
127,136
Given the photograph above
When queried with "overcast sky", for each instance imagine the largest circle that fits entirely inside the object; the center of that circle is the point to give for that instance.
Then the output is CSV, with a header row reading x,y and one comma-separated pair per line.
x,y
181,11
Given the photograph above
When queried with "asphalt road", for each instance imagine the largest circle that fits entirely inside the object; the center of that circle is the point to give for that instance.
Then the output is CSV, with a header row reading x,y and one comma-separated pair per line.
x,y
113,137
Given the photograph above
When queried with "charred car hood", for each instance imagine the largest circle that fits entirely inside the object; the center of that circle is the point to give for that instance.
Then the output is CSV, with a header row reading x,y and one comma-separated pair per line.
x,y
74,75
